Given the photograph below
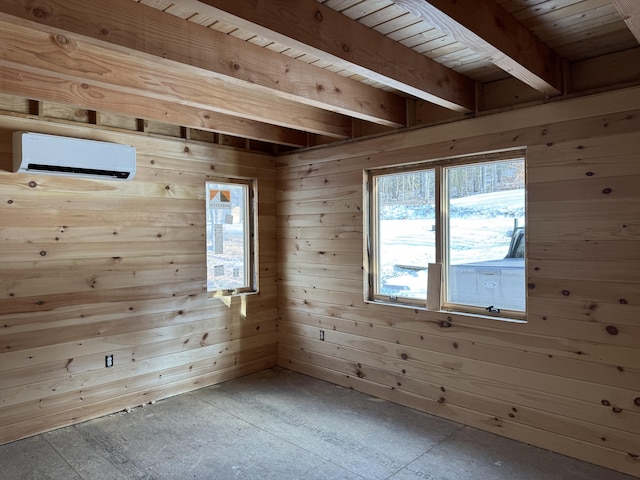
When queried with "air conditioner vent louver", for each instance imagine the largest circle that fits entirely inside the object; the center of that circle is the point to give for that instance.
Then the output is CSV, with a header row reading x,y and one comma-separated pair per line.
x,y
54,155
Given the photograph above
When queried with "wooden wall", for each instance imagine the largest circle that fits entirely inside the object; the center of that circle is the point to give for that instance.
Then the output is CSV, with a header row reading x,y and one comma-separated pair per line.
x,y
90,268
569,379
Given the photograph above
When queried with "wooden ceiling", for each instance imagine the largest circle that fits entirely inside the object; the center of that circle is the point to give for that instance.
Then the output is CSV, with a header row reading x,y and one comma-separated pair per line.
x,y
306,72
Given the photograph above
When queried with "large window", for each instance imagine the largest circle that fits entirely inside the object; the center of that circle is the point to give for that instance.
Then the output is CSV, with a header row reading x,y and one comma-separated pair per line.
x,y
450,235
230,237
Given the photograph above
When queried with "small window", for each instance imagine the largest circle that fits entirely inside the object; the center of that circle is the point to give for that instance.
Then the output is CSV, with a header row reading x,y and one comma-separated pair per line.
x,y
464,219
231,237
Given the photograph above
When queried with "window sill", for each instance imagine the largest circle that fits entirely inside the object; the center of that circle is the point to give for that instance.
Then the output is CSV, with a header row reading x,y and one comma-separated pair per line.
x,y
231,293
517,318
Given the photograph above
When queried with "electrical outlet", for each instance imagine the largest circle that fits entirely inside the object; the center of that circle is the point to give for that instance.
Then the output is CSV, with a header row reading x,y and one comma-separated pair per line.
x,y
322,335
108,361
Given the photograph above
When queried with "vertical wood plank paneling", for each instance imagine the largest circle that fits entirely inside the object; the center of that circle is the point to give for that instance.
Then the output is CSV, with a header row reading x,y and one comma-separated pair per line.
x,y
90,268
569,379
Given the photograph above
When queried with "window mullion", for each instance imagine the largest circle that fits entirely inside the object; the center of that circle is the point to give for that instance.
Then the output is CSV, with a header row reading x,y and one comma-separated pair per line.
x,y
441,215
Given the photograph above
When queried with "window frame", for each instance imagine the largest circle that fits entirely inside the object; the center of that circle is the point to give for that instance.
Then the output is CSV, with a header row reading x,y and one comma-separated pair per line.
x,y
250,235
372,264
442,233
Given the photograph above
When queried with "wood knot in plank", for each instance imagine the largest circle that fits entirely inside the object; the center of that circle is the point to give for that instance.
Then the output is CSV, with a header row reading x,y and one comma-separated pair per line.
x,y
40,12
60,39
611,330
499,24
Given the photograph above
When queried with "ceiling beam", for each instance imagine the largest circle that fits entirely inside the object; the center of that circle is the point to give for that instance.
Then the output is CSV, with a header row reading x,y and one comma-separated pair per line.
x,y
489,30
42,49
321,31
149,31
83,95
629,10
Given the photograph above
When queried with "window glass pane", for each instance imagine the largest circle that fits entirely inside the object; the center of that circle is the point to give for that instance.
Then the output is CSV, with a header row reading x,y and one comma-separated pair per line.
x,y
405,205
228,241
484,254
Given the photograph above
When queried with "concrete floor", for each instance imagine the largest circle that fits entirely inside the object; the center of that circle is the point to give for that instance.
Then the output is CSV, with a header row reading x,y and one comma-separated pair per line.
x,y
281,425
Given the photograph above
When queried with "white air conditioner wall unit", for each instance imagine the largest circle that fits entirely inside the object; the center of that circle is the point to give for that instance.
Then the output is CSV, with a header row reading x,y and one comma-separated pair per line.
x,y
54,155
